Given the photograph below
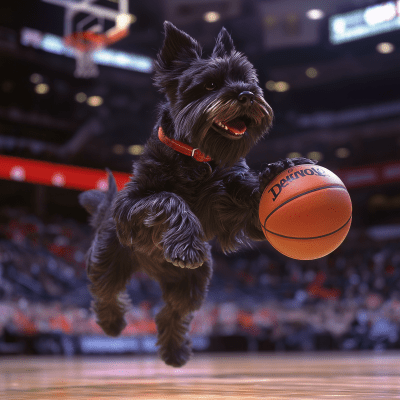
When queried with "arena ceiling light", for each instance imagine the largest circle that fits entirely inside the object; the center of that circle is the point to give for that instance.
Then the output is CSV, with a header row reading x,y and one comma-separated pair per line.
x,y
36,78
315,14
342,152
315,155
282,86
118,149
293,154
94,101
385,48
312,72
80,97
270,85
211,16
42,88
135,149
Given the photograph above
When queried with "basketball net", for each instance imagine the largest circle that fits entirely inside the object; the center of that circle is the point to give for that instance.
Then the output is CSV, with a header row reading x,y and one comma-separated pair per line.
x,y
85,66
86,43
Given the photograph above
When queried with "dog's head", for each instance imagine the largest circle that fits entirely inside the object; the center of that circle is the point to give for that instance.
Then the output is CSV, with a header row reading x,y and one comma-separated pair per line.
x,y
215,103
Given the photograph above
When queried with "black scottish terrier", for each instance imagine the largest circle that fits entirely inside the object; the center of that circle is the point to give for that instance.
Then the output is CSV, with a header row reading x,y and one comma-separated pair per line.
x,y
190,185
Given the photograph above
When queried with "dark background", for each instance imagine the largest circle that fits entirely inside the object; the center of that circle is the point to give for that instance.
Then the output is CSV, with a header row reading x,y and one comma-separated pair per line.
x,y
352,104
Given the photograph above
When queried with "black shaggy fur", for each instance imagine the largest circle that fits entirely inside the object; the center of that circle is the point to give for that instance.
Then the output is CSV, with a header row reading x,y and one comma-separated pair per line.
x,y
163,219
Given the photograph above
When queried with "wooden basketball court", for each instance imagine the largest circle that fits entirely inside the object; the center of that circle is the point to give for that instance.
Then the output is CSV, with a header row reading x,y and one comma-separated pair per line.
x,y
246,376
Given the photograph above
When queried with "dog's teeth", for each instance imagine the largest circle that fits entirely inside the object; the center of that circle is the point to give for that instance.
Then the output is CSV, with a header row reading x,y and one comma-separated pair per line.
x,y
227,129
222,125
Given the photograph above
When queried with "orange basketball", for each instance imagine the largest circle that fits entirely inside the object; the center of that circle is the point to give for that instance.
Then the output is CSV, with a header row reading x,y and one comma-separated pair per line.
x,y
305,212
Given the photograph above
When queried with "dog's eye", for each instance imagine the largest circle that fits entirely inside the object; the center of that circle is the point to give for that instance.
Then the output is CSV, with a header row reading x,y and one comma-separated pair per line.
x,y
210,86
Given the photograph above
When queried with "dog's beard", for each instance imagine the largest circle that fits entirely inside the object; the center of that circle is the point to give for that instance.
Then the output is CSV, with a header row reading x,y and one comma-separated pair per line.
x,y
196,121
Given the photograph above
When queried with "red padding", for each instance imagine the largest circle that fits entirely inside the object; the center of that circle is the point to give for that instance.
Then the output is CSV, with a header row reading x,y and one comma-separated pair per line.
x,y
52,174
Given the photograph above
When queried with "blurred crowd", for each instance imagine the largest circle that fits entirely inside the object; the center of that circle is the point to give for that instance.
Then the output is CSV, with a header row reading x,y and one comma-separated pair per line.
x,y
347,300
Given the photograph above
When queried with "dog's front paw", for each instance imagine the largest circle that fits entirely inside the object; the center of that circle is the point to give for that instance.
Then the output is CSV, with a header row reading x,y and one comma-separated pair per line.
x,y
191,253
276,168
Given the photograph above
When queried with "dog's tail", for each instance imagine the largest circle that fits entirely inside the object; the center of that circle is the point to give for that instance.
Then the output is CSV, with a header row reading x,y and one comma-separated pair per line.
x,y
98,203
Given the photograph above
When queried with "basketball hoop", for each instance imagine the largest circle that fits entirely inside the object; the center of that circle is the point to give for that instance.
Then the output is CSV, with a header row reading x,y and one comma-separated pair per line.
x,y
87,40
88,34
85,44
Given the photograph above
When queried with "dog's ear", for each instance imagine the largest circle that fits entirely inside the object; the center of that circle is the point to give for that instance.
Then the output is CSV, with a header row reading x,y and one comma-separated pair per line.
x,y
224,44
177,52
177,46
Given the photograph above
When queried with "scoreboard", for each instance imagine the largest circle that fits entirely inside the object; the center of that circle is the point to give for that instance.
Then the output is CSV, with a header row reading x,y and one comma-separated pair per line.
x,y
366,22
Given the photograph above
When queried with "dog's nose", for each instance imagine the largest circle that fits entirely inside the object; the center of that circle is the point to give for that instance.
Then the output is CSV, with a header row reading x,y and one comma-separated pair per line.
x,y
246,97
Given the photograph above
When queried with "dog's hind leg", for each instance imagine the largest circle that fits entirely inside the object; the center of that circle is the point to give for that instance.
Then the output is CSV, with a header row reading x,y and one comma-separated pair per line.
x,y
183,293
110,266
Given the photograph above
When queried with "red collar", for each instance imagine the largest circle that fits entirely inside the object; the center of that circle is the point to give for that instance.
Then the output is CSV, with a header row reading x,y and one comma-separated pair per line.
x,y
182,148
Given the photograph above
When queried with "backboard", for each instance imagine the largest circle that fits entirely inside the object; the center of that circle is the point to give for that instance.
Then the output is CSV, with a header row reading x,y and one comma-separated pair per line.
x,y
86,29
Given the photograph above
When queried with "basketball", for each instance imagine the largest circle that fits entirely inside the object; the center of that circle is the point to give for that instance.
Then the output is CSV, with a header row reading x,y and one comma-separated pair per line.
x,y
305,212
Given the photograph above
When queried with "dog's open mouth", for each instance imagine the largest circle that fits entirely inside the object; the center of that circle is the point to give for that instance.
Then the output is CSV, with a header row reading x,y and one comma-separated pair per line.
x,y
235,128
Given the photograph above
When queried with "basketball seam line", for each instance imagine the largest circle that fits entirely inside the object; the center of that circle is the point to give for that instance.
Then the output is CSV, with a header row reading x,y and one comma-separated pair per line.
x,y
299,195
307,238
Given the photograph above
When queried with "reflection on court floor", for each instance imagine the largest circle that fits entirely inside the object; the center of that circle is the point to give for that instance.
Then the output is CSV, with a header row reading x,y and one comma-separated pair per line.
x,y
245,376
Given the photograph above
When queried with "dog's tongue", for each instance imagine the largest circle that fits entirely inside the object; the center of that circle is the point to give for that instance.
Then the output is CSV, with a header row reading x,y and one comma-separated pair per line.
x,y
237,126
